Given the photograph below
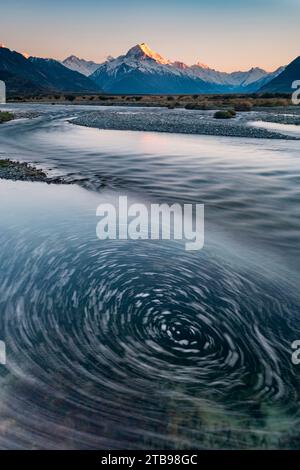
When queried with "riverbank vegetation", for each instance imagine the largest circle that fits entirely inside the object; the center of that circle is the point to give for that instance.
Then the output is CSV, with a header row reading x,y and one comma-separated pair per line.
x,y
5,116
226,114
238,102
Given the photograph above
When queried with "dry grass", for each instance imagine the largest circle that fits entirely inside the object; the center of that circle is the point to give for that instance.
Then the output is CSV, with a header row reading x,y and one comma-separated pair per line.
x,y
201,102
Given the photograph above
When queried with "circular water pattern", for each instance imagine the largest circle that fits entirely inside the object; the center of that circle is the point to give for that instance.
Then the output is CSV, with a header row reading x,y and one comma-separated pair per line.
x,y
141,344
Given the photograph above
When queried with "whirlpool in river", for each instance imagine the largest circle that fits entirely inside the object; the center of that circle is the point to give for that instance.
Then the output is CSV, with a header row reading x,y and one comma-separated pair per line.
x,y
137,344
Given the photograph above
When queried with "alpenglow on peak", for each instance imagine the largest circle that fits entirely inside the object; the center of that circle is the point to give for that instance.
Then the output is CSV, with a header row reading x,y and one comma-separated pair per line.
x,y
143,51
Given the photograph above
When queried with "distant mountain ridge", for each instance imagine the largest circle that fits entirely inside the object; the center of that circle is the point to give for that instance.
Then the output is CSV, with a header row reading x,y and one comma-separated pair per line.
x,y
283,82
239,80
142,70
35,75
86,67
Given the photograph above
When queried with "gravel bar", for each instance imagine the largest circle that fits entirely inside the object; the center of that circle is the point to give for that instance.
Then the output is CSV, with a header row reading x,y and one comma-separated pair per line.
x,y
179,121
17,171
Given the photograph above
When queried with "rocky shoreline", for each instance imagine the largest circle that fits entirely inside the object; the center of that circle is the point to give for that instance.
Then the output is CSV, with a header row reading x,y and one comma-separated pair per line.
x,y
16,171
12,116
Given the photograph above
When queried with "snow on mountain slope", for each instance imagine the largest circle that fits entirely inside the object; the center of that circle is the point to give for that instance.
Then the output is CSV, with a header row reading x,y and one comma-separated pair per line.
x,y
86,67
60,78
141,70
234,79
143,52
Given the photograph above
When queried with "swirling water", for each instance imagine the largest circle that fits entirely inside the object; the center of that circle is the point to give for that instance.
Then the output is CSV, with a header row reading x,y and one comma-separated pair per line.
x,y
140,344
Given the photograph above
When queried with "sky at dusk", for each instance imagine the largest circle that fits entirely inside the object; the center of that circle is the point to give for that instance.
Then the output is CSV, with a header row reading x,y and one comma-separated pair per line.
x,y
224,34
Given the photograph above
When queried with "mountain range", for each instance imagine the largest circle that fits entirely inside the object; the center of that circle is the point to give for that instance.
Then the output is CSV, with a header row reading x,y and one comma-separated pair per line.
x,y
139,71
30,75
142,70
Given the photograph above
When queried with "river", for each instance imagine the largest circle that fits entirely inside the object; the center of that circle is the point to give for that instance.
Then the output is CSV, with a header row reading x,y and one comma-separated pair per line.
x,y
141,344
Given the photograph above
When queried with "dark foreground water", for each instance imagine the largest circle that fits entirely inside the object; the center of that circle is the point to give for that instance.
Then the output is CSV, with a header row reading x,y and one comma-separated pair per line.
x,y
141,344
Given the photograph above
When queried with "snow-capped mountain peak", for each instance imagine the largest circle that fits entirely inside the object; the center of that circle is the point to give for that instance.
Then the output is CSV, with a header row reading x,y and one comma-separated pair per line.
x,y
142,70
143,52
86,67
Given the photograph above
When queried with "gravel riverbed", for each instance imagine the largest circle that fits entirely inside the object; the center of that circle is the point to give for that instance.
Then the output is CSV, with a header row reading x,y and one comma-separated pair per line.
x,y
186,122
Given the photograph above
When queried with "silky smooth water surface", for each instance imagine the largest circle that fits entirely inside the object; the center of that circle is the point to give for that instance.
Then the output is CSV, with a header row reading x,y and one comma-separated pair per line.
x,y
141,344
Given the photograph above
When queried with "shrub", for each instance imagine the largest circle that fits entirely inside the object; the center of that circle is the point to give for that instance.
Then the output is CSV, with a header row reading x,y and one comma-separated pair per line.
x,y
5,116
70,97
226,114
